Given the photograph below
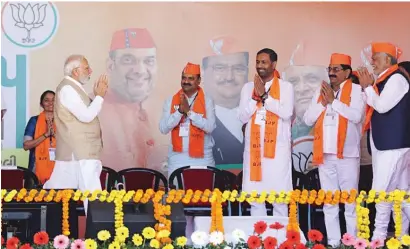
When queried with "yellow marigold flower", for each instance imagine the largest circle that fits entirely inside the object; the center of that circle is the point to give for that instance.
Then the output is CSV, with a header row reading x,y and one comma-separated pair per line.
x,y
155,243
122,232
405,240
168,246
163,234
181,241
137,239
103,235
393,244
114,245
148,233
90,244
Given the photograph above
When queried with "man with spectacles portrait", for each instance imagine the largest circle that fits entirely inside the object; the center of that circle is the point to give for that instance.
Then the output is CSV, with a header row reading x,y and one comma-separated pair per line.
x,y
224,76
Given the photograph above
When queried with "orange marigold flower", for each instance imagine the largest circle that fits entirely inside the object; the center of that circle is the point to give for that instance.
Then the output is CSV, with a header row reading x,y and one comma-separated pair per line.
x,y
315,235
286,245
41,238
270,242
276,226
254,242
293,236
318,246
300,246
260,227
26,246
12,243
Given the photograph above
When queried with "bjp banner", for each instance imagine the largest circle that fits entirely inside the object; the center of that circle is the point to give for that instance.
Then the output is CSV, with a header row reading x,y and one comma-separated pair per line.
x,y
143,60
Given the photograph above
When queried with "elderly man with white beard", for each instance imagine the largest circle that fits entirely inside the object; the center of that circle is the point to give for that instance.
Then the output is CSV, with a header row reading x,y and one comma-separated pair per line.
x,y
78,134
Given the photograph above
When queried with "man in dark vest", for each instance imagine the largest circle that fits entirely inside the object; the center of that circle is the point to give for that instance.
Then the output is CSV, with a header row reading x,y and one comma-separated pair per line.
x,y
388,118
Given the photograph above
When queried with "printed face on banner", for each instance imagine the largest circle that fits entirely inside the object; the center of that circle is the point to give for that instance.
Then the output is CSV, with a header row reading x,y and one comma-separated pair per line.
x,y
133,72
305,80
224,77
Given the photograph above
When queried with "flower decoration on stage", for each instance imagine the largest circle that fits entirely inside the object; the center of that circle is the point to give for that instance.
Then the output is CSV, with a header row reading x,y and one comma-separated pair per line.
x,y
162,209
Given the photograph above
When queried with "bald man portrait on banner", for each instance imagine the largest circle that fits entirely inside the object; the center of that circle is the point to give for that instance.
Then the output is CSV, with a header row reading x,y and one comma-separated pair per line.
x,y
225,72
306,73
132,68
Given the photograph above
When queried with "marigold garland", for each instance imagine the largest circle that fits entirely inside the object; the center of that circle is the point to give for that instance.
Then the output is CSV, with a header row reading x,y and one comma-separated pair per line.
x,y
293,223
65,203
216,212
162,208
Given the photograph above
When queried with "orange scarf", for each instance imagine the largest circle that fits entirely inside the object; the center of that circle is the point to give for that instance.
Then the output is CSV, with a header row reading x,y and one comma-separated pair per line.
x,y
271,130
196,135
341,130
44,167
369,109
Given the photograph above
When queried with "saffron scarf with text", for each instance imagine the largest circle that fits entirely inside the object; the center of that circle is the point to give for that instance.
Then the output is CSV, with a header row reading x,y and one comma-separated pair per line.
x,y
341,130
196,135
44,167
271,130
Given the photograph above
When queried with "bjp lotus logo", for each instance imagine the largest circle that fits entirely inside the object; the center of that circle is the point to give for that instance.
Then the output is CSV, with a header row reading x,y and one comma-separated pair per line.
x,y
29,24
28,18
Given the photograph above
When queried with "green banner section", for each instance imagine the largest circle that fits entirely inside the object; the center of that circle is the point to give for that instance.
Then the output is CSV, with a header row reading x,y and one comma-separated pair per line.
x,y
229,166
14,157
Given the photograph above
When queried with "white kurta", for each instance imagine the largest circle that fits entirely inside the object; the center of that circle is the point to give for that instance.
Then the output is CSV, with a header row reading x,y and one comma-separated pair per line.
x,y
169,121
77,174
335,173
389,166
276,172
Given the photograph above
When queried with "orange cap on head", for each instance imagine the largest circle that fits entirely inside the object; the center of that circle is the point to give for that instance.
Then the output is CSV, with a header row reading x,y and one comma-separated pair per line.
x,y
132,38
192,69
343,59
386,47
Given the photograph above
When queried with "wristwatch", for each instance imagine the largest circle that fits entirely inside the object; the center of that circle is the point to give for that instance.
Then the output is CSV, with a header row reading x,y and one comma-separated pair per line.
x,y
264,96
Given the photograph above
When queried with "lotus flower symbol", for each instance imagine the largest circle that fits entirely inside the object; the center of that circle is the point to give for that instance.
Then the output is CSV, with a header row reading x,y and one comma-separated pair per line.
x,y
302,161
28,18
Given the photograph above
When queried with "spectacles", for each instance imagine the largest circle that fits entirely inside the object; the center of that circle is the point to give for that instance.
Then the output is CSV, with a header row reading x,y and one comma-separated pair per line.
x,y
236,69
334,69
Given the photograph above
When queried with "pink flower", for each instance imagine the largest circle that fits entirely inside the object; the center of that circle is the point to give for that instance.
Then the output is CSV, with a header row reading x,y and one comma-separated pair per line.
x,y
61,242
360,244
377,243
348,240
78,244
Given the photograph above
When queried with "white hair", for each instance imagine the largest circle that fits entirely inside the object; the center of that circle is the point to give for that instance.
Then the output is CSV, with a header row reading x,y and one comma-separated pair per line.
x,y
71,63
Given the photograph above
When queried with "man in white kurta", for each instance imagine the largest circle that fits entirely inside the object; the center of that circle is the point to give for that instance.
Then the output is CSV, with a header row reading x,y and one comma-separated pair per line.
x,y
189,115
276,173
336,111
388,118
82,169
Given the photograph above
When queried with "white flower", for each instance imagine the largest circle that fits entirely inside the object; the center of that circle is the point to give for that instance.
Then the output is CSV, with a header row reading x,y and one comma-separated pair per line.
x,y
199,238
216,238
237,235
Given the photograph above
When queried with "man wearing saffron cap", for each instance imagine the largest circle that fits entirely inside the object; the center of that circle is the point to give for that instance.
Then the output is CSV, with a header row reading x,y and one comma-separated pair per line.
x,y
387,118
336,112
126,131
189,115
266,106
224,74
